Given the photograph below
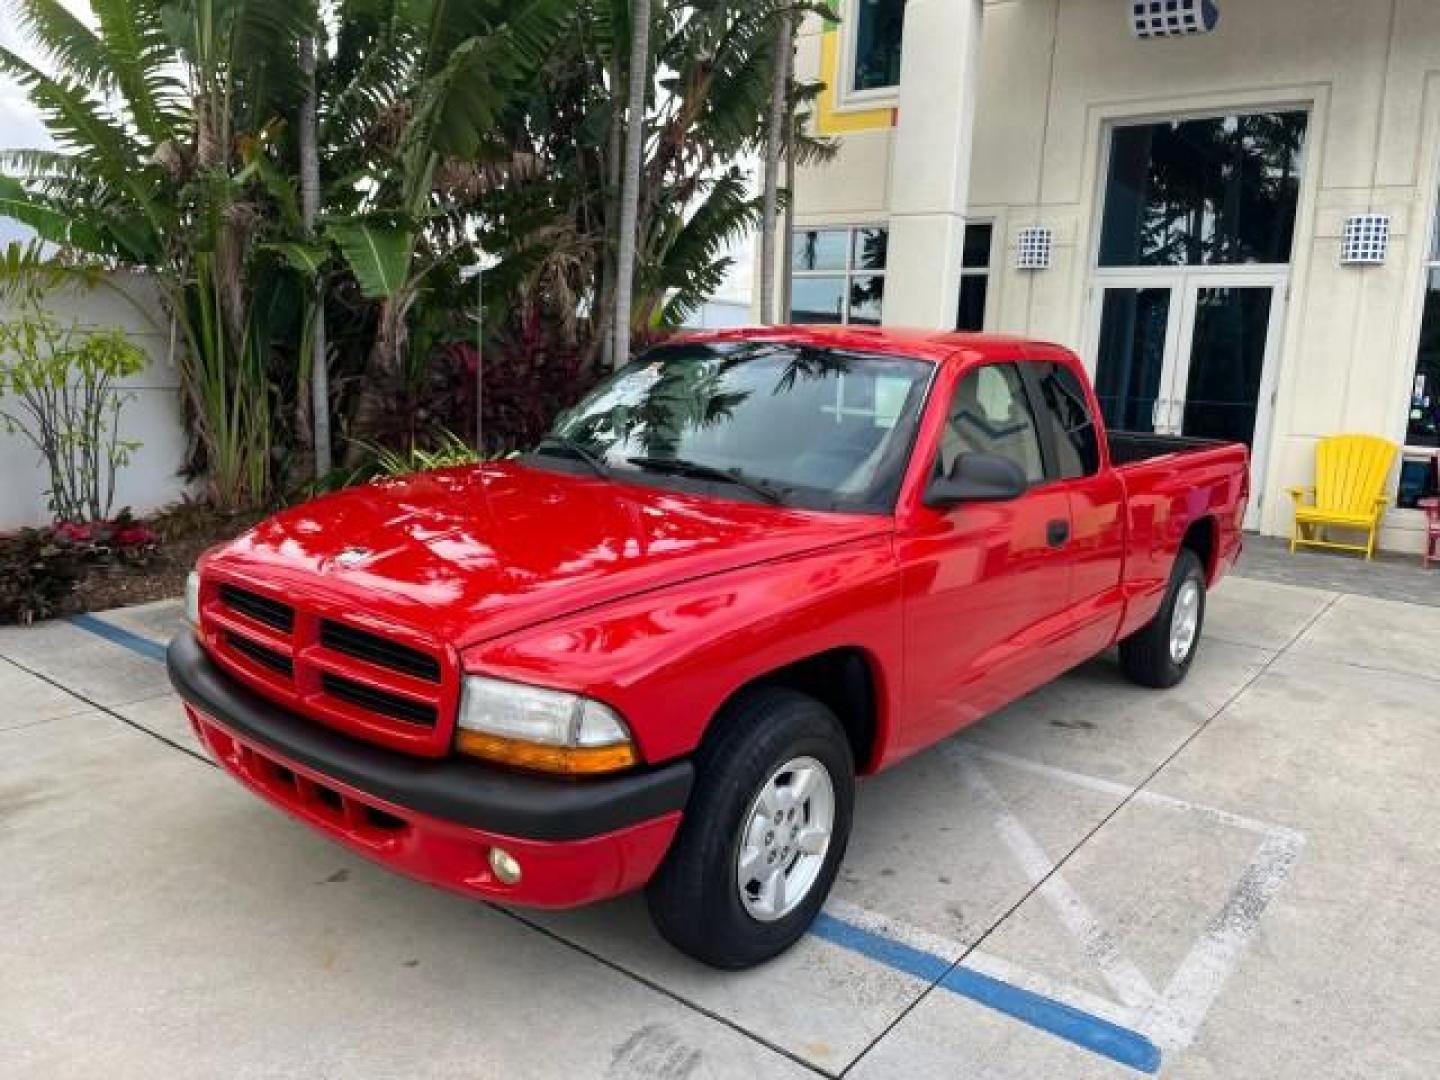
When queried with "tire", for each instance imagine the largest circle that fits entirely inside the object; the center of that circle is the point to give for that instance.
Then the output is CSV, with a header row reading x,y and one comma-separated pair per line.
x,y
1147,656
697,899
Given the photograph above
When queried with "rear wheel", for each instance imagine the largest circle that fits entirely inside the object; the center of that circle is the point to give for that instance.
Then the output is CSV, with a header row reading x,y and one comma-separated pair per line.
x,y
764,833
1159,654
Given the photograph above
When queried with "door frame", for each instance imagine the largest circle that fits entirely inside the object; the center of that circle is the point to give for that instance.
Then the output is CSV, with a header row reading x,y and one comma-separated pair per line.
x,y
1185,284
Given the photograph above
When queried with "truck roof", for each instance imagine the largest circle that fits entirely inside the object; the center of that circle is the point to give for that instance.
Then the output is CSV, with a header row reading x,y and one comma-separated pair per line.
x,y
935,345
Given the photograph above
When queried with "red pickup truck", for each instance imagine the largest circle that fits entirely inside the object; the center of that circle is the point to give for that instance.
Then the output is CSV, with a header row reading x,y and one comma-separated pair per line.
x,y
658,649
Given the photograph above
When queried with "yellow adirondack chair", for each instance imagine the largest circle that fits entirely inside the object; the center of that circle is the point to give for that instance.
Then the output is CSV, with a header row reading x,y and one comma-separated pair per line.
x,y
1350,472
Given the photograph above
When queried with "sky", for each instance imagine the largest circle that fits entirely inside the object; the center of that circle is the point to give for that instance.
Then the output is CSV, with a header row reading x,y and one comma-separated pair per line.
x,y
19,126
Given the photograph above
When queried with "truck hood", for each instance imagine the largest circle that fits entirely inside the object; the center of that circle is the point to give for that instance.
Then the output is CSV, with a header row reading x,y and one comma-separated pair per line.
x,y
473,553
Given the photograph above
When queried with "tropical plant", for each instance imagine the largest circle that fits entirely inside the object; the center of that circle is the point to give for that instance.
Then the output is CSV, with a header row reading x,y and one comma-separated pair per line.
x,y
455,67
449,451
58,390
40,569
163,116
311,186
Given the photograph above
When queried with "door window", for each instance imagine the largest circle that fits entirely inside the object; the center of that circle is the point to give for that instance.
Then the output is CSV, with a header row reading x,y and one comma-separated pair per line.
x,y
1420,467
1131,356
990,414
1064,408
1227,360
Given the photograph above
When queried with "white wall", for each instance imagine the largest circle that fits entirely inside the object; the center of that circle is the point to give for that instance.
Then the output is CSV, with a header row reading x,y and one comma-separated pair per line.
x,y
1368,71
718,314
152,417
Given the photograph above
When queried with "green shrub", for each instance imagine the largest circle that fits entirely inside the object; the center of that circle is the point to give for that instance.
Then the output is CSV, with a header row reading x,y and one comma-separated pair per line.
x,y
449,450
59,385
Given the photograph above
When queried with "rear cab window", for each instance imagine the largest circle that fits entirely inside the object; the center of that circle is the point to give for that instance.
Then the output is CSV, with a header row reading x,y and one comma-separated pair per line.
x,y
1065,413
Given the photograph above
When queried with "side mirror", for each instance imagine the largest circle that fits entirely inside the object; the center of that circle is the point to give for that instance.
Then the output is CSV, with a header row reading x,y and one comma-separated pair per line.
x,y
977,478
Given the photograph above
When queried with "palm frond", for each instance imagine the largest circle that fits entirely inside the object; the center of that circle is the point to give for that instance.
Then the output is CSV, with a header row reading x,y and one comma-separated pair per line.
x,y
693,264
140,62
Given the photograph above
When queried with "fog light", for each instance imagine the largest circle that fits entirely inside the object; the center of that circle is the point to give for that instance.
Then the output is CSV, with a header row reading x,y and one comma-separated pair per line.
x,y
505,866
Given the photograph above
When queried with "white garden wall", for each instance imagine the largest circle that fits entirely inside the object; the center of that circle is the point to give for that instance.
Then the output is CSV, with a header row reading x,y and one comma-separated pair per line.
x,y
152,416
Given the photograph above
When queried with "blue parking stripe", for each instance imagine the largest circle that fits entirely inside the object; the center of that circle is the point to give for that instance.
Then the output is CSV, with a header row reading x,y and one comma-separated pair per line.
x,y
1109,1040
118,635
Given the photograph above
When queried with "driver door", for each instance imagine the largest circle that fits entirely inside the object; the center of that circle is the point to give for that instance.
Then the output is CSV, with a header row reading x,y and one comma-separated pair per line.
x,y
987,584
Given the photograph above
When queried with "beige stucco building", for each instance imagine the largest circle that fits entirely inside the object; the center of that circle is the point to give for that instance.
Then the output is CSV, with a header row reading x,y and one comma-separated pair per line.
x,y
1192,190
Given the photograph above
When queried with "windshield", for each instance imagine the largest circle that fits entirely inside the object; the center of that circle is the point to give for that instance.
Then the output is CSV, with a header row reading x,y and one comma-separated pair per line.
x,y
805,427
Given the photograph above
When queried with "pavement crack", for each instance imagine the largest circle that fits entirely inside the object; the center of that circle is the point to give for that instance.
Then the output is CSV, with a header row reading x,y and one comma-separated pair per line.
x,y
109,711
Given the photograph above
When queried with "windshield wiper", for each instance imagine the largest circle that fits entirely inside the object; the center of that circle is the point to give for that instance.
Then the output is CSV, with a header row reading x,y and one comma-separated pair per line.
x,y
578,449
700,471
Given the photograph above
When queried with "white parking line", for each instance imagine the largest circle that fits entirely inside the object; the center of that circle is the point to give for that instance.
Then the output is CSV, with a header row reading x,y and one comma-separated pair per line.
x,y
1171,1018
1175,1018
1098,945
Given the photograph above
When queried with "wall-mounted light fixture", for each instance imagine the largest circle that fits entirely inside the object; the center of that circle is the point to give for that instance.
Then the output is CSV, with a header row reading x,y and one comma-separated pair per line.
x,y
1033,245
1172,18
1366,240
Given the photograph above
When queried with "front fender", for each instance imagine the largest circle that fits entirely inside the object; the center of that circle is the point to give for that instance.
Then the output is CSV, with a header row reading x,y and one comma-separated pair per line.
x,y
669,658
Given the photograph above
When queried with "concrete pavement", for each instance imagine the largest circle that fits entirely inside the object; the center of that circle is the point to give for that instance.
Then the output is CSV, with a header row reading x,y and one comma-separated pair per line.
x,y
1231,879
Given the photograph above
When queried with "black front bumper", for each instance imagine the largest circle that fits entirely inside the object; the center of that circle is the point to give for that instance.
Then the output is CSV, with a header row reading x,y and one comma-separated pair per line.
x,y
454,789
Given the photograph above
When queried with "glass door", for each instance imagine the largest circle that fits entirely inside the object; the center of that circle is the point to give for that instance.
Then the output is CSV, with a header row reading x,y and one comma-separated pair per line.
x,y
1224,380
1190,353
1229,338
1135,334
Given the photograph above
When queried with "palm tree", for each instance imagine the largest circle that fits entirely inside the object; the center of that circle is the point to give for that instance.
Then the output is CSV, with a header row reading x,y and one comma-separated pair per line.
x,y
450,71
774,136
639,76
308,134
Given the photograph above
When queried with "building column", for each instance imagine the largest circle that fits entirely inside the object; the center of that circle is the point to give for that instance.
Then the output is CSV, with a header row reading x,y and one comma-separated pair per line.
x,y
930,162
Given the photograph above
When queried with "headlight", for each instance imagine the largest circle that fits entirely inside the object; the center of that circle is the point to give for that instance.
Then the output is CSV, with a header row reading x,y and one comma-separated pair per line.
x,y
547,730
192,599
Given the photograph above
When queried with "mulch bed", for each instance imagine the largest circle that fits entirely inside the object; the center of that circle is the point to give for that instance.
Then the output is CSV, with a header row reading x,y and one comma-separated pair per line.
x,y
185,531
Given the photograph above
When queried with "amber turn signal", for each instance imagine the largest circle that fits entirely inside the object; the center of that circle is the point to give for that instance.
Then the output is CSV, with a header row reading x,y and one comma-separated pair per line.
x,y
566,760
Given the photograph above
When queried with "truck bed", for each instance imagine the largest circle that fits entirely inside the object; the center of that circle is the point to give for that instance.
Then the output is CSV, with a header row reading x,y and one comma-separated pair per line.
x,y
1133,447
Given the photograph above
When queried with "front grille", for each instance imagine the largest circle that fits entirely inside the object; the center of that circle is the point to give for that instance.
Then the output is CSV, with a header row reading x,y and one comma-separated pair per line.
x,y
400,692
268,658
262,609
378,701
379,651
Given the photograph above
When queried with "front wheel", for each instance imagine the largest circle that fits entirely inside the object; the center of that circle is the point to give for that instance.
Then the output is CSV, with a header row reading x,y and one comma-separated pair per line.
x,y
1159,654
764,834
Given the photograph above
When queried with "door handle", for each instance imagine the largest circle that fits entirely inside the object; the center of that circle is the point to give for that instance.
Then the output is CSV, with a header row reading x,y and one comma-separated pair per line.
x,y
1057,533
